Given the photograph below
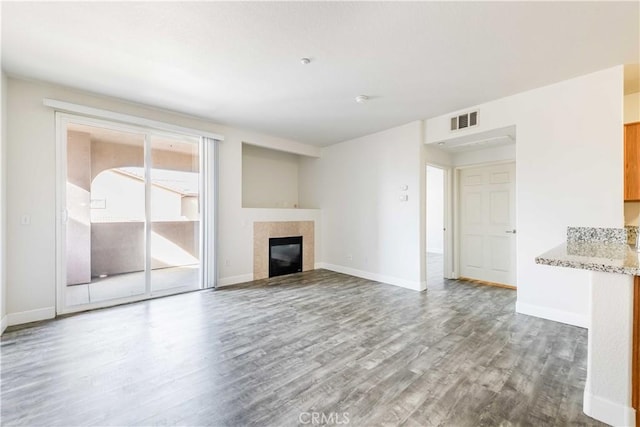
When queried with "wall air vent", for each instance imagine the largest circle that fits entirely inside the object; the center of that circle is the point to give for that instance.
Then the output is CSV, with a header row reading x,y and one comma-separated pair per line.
x,y
465,120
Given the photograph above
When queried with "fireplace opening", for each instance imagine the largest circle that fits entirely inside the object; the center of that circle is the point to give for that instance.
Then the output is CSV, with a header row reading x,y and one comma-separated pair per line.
x,y
285,255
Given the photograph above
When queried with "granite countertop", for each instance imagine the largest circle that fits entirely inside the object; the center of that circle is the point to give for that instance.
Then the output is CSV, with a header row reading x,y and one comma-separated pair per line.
x,y
595,256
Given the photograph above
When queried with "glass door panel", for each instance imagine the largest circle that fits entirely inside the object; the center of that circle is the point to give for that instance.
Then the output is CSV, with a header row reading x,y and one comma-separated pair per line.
x,y
105,204
175,214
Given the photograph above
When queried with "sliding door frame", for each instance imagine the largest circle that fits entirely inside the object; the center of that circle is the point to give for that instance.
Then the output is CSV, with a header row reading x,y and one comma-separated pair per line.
x,y
208,203
208,209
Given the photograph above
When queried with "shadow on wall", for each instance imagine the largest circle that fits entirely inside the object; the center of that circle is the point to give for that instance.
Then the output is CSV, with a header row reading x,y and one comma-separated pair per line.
x,y
118,247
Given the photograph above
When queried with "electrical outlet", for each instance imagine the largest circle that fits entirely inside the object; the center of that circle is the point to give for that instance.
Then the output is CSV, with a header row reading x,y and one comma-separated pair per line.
x,y
227,263
349,257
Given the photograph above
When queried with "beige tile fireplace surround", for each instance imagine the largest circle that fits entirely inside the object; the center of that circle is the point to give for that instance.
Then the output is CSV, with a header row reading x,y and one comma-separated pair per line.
x,y
263,231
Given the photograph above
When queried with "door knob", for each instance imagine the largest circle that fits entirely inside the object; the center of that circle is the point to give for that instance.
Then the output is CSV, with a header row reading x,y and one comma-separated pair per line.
x,y
511,231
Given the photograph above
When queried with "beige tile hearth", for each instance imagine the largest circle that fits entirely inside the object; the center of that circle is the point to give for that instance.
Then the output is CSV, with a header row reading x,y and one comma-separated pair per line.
x,y
263,231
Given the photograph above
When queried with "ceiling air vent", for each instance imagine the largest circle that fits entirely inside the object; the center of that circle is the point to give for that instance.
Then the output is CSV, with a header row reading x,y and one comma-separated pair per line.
x,y
465,120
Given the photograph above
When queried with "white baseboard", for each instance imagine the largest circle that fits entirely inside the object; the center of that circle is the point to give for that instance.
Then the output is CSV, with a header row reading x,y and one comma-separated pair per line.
x,y
403,283
232,280
31,316
3,324
552,314
607,411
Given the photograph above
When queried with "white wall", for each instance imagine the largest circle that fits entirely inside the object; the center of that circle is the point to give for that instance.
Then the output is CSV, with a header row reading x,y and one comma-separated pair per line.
x,y
436,156
269,178
309,186
435,210
632,108
367,230
31,176
568,172
3,205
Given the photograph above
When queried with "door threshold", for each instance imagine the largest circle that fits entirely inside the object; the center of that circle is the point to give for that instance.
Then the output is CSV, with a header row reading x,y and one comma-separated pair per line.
x,y
486,283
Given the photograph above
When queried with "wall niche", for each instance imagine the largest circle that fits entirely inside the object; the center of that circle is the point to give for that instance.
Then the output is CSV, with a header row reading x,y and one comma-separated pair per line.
x,y
270,178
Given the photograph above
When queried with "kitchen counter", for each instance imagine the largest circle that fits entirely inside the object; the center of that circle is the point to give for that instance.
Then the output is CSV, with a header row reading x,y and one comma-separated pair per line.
x,y
607,250
607,257
614,282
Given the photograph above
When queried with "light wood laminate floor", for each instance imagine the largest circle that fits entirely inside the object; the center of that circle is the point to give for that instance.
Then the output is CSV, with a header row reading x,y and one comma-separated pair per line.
x,y
272,352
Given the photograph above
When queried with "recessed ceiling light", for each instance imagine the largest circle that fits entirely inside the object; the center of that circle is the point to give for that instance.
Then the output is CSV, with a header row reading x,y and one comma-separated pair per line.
x,y
361,99
305,60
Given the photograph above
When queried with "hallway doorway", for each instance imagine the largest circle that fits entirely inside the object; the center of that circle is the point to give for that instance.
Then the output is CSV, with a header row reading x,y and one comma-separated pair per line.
x,y
436,211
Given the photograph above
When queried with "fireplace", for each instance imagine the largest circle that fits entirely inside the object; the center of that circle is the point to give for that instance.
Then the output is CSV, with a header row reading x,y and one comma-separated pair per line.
x,y
263,231
285,255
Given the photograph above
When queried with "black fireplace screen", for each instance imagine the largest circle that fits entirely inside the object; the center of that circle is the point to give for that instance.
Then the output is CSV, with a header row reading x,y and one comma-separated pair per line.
x,y
285,255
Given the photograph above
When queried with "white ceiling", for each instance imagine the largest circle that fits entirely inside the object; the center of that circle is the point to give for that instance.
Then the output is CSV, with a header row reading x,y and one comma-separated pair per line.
x,y
238,63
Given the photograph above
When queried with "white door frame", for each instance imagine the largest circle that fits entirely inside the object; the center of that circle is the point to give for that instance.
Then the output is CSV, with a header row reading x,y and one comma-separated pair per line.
x,y
456,210
208,191
448,219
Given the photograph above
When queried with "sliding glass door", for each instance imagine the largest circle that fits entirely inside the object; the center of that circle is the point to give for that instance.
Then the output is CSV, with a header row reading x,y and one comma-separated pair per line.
x,y
106,214
175,217
133,225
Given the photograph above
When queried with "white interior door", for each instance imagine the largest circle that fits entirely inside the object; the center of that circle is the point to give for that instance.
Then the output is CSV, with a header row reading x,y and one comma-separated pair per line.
x,y
487,223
